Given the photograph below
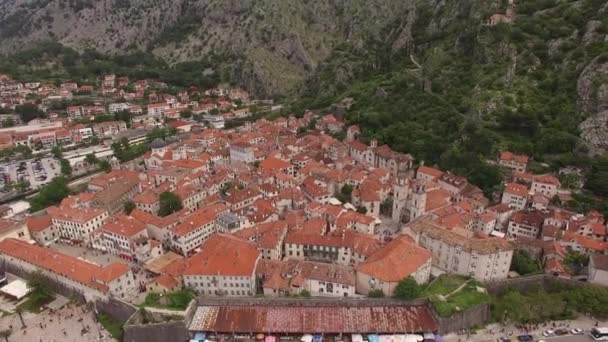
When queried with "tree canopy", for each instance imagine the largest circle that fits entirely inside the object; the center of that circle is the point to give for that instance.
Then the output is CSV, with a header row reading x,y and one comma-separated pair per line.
x,y
129,207
523,263
29,111
407,289
169,203
50,194
66,168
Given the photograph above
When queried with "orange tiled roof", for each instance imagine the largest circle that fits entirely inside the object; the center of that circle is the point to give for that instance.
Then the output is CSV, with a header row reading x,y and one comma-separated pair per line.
x,y
166,281
433,172
75,269
112,271
123,225
399,259
272,163
508,156
516,189
38,223
224,255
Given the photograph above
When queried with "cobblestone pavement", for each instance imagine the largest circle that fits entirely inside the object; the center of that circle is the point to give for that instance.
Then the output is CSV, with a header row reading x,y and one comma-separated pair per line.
x,y
494,331
49,327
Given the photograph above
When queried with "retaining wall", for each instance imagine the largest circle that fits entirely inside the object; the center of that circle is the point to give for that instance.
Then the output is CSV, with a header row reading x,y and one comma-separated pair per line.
x,y
475,316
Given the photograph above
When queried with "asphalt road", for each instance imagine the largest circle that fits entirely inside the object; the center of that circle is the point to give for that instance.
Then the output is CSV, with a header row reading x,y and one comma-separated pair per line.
x,y
569,338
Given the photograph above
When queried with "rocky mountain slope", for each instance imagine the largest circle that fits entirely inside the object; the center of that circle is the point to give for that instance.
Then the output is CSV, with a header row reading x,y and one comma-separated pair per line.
x,y
274,43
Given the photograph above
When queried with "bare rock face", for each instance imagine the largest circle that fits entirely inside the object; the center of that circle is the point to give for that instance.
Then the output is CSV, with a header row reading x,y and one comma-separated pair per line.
x,y
592,88
594,131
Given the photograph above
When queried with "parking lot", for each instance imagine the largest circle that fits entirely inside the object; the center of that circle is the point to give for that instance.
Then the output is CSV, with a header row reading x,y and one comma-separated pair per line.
x,y
37,172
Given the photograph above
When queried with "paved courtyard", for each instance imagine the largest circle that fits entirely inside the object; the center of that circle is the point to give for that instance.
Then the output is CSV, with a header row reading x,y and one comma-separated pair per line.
x,y
95,257
71,323
388,228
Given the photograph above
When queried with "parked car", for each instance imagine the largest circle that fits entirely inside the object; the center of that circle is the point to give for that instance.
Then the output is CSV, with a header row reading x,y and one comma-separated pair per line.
x,y
561,331
548,333
577,331
525,338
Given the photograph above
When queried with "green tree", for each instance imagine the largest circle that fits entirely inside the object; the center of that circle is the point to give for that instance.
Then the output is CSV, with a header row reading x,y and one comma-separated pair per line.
x,y
91,159
40,289
361,209
576,261
523,263
66,168
19,312
22,186
57,152
28,111
185,114
597,180
124,115
9,122
407,289
129,207
50,194
377,293
345,193
104,165
169,203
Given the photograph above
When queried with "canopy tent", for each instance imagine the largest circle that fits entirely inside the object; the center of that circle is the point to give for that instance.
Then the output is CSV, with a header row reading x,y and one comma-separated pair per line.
x,y
199,337
16,289
356,338
306,338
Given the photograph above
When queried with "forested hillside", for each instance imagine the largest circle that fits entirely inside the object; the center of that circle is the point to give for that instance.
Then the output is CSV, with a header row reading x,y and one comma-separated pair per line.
x,y
465,90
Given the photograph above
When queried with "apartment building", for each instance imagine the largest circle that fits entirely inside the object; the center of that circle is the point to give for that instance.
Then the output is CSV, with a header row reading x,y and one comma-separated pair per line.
x,y
147,201
546,185
515,162
242,152
515,195
399,259
291,277
113,197
314,242
484,259
268,238
77,222
120,235
109,128
42,229
526,223
195,228
225,266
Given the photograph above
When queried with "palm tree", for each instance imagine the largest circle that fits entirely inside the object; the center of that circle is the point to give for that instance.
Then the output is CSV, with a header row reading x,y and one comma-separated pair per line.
x,y
19,312
6,333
